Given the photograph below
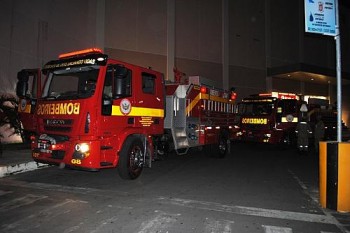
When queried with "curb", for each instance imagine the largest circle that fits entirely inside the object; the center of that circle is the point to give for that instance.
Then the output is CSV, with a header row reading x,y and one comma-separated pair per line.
x,y
19,168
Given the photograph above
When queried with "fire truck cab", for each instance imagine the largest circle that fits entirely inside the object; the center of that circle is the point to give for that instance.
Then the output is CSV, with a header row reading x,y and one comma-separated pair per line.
x,y
95,112
268,118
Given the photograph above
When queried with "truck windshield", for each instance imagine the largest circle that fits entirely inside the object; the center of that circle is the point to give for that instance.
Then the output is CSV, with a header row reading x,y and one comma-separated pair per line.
x,y
255,108
71,83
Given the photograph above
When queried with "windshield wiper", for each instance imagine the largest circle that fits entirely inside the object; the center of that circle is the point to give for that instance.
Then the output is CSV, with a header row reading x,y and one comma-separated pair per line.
x,y
69,95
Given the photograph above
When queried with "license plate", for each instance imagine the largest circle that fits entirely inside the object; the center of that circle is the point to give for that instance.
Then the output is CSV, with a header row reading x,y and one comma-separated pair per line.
x,y
43,145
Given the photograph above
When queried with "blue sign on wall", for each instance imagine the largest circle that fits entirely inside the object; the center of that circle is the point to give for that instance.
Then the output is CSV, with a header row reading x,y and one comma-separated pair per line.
x,y
320,16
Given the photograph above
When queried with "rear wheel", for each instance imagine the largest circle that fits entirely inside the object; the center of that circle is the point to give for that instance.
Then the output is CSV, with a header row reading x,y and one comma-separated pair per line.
x,y
131,159
288,140
223,147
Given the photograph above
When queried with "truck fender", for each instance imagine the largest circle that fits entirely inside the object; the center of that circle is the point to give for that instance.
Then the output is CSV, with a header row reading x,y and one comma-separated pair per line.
x,y
124,135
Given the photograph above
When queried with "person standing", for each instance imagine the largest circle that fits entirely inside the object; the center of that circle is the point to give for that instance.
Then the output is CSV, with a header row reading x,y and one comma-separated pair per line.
x,y
319,132
303,130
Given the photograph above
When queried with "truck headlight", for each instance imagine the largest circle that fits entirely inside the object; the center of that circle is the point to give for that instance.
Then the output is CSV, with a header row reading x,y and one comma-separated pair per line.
x,y
82,147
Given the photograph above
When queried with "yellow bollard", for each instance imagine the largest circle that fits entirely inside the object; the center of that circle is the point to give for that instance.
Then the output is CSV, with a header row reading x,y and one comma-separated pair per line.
x,y
334,175
344,177
323,173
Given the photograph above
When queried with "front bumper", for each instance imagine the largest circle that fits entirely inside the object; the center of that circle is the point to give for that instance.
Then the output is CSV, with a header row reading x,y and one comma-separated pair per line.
x,y
65,153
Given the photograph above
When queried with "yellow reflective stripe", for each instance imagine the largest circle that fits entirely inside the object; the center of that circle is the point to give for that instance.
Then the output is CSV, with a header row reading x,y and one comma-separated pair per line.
x,y
213,97
218,99
192,104
284,120
202,96
138,111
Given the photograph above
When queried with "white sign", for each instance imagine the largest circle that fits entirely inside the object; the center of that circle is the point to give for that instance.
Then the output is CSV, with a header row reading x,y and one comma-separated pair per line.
x,y
320,17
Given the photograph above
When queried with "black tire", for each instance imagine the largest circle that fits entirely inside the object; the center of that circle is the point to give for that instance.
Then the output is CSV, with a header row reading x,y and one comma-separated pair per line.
x,y
222,147
25,135
288,141
131,159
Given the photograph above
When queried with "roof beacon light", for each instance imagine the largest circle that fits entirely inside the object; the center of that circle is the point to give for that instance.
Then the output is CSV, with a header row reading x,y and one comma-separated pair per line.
x,y
80,52
233,95
203,90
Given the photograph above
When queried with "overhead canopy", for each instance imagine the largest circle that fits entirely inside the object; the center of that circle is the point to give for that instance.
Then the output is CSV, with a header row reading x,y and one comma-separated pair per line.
x,y
307,73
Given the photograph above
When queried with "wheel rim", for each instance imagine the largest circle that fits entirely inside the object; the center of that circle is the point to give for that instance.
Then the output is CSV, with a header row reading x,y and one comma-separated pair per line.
x,y
222,146
136,160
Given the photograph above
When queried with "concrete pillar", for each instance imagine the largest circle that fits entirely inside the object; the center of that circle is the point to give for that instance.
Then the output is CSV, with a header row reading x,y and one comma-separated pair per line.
x,y
225,44
267,34
269,85
170,40
330,96
100,24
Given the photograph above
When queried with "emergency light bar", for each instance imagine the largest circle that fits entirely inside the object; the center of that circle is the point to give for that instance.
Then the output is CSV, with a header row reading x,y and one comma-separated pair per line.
x,y
280,95
80,52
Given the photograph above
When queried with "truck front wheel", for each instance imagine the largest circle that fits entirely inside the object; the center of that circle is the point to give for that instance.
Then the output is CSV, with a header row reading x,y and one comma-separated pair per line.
x,y
131,159
223,147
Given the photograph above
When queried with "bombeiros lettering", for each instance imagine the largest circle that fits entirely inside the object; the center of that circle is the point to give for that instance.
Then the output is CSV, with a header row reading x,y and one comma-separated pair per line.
x,y
257,121
59,109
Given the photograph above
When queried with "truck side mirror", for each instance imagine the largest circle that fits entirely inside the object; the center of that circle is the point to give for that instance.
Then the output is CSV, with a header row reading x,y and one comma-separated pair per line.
x,y
21,89
23,76
121,82
22,83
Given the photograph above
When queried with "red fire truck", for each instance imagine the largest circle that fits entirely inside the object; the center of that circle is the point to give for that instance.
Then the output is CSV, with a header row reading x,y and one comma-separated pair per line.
x,y
95,112
272,117
268,118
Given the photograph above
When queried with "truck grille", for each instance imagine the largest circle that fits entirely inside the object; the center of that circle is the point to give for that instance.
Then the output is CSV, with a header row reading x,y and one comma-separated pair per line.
x,y
58,125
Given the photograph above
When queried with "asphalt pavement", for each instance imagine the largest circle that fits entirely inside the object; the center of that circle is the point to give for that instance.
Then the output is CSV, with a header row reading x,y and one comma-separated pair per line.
x,y
16,158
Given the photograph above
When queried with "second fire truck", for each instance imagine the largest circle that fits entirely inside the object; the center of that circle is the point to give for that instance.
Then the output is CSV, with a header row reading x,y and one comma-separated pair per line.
x,y
95,112
272,118
268,118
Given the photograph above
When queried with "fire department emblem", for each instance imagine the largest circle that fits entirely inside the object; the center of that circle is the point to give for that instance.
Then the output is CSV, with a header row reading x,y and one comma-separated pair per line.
x,y
289,118
125,106
23,104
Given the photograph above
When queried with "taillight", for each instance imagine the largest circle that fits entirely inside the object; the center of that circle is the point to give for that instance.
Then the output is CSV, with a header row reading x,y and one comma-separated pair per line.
x,y
32,138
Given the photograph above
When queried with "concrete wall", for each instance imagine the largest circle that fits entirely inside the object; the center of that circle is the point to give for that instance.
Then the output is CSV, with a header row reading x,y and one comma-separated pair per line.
x,y
289,44
33,32
284,32
136,32
247,46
